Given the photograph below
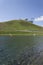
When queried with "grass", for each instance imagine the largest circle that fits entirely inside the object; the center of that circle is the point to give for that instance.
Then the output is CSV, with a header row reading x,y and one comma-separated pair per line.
x,y
14,26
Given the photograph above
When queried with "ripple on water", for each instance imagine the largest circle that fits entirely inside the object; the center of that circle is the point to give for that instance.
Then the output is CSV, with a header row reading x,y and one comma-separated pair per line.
x,y
28,57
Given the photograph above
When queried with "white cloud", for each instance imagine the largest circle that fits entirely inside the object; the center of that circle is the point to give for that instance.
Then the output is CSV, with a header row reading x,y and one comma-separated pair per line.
x,y
39,18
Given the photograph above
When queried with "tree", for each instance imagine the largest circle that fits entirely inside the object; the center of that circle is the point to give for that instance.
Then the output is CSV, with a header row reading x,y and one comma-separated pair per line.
x,y
32,20
26,19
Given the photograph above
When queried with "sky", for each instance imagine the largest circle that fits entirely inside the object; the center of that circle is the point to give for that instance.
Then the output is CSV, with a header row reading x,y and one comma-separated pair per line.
x,y
21,9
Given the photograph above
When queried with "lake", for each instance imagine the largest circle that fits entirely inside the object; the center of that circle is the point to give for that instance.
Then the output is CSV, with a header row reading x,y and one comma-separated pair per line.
x,y
21,50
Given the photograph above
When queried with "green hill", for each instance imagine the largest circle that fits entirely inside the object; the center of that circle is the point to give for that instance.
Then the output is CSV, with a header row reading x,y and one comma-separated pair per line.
x,y
18,26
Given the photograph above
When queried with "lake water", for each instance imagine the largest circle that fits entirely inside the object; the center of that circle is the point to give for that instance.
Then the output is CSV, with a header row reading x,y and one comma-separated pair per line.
x,y
21,50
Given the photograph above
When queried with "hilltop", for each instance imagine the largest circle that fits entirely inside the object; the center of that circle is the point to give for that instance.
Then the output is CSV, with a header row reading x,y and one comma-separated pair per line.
x,y
18,27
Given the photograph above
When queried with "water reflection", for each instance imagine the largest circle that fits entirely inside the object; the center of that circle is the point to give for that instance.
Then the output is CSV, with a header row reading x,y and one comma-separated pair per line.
x,y
26,57
21,50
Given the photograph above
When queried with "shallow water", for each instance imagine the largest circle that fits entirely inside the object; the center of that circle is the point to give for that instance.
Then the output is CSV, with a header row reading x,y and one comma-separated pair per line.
x,y
21,50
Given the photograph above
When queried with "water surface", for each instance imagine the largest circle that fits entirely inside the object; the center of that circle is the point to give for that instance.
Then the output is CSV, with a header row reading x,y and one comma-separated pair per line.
x,y
23,50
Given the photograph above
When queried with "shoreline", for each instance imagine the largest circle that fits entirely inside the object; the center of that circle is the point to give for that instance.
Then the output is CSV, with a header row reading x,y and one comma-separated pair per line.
x,y
21,34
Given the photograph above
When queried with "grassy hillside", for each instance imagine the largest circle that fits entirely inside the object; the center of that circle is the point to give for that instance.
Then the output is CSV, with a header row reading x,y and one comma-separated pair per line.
x,y
14,26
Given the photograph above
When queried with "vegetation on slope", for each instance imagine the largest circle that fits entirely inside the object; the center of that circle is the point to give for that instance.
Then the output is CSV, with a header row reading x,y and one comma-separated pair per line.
x,y
18,26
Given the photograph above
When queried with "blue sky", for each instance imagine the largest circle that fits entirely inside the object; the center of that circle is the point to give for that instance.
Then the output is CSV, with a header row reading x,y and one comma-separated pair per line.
x,y
21,9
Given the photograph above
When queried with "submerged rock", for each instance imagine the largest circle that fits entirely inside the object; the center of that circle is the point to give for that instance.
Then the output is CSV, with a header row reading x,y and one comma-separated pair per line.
x,y
10,62
1,50
15,62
